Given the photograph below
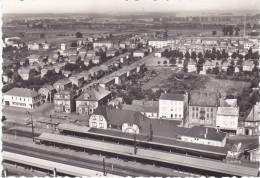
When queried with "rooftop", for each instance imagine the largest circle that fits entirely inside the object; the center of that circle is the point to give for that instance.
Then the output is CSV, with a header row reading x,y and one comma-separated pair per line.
x,y
228,111
22,92
203,98
254,114
171,96
95,93
205,133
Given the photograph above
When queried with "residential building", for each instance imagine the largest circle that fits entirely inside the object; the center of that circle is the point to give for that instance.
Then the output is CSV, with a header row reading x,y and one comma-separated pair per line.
x,y
47,93
150,109
192,66
33,58
33,46
203,107
63,84
104,43
111,53
248,66
26,73
126,121
47,69
64,101
92,98
77,80
172,106
96,60
252,121
22,97
205,136
139,53
73,59
254,152
91,53
227,119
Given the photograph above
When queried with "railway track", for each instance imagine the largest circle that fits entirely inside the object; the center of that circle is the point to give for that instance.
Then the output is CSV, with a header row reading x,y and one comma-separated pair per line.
x,y
81,162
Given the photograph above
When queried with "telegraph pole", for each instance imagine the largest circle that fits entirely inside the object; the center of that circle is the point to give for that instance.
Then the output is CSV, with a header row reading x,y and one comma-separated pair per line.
x,y
31,124
104,167
135,144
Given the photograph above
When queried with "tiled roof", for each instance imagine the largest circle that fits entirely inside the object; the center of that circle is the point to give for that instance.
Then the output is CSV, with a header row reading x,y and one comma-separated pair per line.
x,y
203,98
141,108
94,94
171,96
205,133
118,117
22,92
228,111
254,114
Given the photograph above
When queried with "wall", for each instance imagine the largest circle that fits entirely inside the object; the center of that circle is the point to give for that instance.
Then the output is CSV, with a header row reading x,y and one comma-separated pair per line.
x,y
97,121
204,141
171,109
23,102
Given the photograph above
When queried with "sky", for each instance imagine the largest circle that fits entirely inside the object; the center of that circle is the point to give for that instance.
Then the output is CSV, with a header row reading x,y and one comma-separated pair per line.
x,y
113,6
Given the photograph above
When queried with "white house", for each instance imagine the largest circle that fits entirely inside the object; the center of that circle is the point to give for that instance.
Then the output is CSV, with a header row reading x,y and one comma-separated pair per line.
x,y
22,97
126,121
138,53
172,106
192,66
227,118
205,136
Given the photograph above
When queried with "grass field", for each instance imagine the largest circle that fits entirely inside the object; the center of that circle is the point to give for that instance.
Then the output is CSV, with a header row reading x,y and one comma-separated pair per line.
x,y
226,86
175,81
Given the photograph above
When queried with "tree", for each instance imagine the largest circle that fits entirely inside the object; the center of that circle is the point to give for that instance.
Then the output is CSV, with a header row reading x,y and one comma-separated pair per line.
x,y
79,35
42,35
187,55
193,55
73,44
173,61
200,55
215,70
237,30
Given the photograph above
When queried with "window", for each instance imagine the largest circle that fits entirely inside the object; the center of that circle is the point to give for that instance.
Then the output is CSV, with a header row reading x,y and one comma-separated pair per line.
x,y
171,115
193,108
179,115
197,108
207,115
175,115
94,124
101,119
94,118
211,109
101,125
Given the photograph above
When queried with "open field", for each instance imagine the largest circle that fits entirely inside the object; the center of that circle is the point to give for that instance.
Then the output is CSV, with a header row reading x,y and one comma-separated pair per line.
x,y
177,81
226,86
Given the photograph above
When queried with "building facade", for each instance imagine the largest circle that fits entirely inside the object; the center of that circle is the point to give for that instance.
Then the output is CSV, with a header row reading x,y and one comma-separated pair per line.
x,y
203,107
64,101
172,106
22,97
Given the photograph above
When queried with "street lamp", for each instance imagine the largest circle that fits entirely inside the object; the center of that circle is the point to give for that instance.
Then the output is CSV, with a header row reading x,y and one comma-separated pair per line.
x,y
31,124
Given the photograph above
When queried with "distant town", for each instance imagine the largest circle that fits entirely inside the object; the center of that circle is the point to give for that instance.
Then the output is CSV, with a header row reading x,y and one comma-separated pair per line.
x,y
131,95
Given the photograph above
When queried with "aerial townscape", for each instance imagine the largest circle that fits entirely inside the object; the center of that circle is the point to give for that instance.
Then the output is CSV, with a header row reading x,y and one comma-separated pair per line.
x,y
168,94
